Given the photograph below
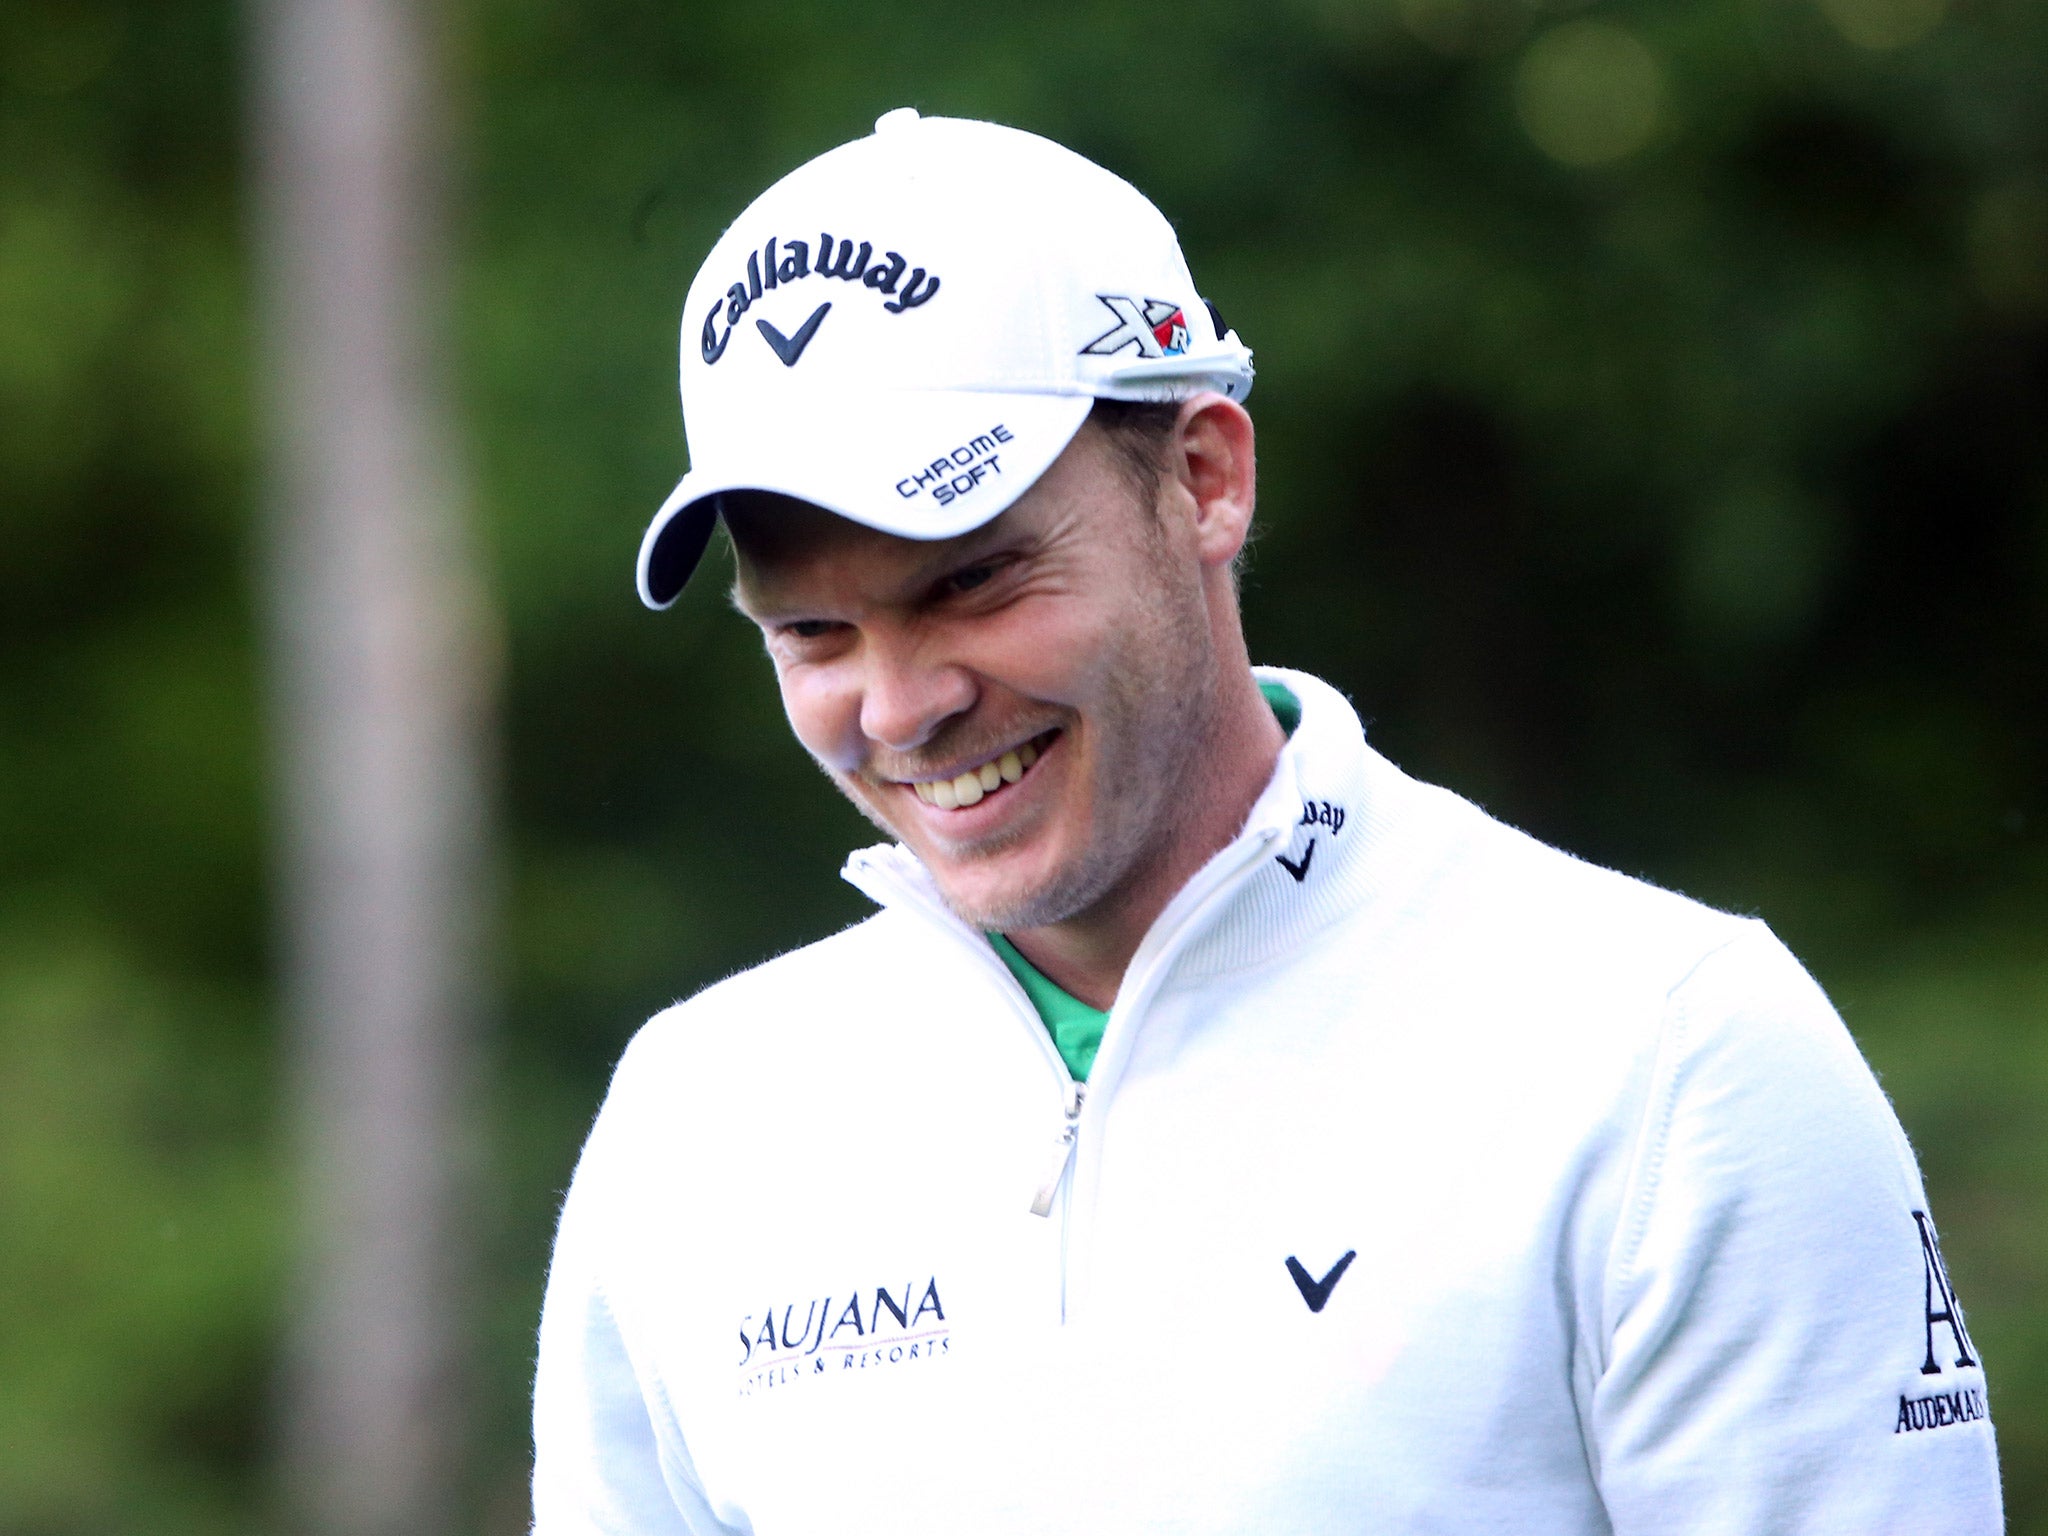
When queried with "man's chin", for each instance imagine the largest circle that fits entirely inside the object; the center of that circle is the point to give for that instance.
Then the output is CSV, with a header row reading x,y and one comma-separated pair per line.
x,y
1006,913
1010,881
993,899
988,899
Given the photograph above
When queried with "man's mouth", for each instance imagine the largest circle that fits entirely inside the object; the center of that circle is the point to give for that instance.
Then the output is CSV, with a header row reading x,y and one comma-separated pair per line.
x,y
976,784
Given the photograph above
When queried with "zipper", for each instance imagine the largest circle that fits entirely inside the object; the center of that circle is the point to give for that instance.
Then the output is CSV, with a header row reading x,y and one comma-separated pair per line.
x,y
1146,968
1071,1092
1041,1203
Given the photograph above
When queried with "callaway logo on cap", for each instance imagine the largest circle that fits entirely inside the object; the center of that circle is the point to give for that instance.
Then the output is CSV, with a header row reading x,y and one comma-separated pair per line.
x,y
907,330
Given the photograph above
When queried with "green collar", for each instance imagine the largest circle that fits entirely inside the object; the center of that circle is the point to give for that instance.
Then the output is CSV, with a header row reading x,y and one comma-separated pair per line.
x,y
1286,707
1076,1028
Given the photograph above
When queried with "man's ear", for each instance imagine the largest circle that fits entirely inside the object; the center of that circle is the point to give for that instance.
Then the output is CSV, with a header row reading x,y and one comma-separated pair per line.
x,y
1213,463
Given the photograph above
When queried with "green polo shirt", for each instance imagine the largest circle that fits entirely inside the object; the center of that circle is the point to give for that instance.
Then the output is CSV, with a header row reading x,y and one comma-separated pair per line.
x,y
1076,1028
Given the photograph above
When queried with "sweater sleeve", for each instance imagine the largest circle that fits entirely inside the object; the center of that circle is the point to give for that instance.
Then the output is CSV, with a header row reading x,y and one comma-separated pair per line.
x,y
1783,1347
601,1468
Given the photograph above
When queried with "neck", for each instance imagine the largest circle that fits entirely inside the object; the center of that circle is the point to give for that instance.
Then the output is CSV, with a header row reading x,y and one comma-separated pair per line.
x,y
1087,954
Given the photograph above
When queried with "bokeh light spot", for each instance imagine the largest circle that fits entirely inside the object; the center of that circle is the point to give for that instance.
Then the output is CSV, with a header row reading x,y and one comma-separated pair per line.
x,y
2009,247
1883,23
49,50
1462,28
1589,92
1754,564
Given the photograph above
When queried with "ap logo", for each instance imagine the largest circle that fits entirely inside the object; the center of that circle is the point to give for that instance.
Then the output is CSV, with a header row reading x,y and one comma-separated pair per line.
x,y
1156,327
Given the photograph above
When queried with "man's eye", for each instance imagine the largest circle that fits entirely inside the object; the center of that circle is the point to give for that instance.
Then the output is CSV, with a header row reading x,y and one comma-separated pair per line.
x,y
808,629
972,577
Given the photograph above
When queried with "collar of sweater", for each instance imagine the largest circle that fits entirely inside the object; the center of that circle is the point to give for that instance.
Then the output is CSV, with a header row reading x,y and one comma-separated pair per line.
x,y
1327,836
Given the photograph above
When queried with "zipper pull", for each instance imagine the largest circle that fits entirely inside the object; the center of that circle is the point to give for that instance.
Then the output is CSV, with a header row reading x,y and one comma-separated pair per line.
x,y
1041,1204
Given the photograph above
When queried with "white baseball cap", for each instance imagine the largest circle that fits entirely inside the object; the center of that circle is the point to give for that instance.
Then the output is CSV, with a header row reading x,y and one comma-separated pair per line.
x,y
908,329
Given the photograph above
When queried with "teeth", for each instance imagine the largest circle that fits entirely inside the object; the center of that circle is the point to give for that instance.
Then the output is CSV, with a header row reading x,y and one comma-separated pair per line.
x,y
969,787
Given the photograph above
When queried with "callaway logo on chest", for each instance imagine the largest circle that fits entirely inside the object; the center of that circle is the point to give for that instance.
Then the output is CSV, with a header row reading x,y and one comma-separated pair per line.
x,y
781,262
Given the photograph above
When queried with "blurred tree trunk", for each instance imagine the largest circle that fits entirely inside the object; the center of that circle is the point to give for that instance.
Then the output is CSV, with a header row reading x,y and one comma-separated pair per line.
x,y
381,684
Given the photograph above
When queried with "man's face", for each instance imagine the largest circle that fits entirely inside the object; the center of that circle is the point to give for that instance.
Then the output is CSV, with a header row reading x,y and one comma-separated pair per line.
x,y
1020,706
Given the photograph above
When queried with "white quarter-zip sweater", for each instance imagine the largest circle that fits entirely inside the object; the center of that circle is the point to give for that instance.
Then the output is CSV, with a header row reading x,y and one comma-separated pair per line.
x,y
1427,1180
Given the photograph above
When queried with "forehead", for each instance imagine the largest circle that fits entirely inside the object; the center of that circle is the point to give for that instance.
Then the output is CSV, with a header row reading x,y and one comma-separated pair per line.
x,y
784,544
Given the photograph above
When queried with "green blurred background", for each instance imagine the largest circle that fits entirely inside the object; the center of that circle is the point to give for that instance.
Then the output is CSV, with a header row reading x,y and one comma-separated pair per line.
x,y
1652,403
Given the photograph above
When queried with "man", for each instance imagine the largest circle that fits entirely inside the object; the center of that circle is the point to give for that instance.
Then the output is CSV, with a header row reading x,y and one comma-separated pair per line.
x,y
1216,1130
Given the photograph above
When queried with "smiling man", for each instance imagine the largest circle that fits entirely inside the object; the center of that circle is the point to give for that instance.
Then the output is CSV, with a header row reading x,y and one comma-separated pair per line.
x,y
1015,704
1216,1130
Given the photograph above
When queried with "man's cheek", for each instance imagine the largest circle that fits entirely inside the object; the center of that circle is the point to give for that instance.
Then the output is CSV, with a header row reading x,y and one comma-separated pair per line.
x,y
827,724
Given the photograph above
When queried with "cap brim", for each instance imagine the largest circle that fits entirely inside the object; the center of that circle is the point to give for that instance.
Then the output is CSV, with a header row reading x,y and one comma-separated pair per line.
x,y
919,464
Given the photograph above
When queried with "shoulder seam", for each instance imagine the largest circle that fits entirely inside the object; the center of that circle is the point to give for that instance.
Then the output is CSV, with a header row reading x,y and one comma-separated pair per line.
x,y
1653,1135
667,1428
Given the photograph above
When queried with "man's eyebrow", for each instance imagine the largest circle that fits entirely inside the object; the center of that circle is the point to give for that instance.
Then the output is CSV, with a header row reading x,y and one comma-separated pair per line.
x,y
976,547
757,606
988,542
756,610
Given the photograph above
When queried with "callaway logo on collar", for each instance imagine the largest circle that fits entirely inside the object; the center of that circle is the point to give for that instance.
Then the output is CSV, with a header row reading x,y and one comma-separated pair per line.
x,y
910,328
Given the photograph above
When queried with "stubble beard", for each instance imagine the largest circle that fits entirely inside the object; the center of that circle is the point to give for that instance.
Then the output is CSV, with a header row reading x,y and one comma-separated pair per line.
x,y
1148,733
1146,759
1149,730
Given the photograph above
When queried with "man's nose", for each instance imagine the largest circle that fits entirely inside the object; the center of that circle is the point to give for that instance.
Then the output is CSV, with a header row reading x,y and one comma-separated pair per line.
x,y
907,693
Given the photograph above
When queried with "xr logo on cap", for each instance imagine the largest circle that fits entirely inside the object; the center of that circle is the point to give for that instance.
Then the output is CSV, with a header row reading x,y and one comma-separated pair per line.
x,y
1156,327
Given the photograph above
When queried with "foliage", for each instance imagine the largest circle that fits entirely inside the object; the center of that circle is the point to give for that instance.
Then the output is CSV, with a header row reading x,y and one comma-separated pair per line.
x,y
1650,398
